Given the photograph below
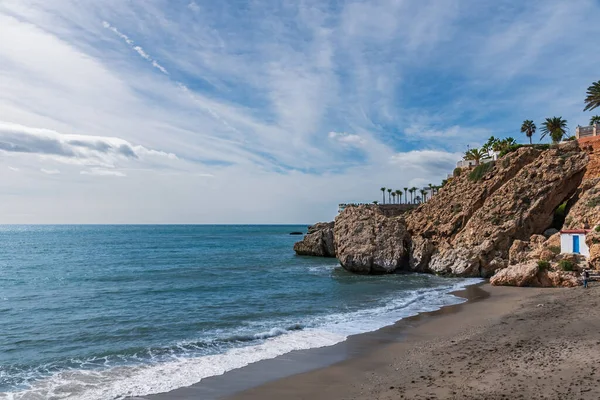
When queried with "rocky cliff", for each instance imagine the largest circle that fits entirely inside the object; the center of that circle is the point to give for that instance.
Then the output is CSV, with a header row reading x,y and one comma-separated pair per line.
x,y
471,227
318,241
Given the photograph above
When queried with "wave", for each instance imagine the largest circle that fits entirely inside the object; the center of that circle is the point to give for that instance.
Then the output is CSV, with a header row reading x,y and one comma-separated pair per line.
x,y
158,370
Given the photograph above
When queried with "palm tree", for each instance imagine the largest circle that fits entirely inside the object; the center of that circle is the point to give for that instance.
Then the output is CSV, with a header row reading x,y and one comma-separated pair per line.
x,y
430,190
399,194
528,128
383,194
593,97
406,194
595,120
556,127
389,196
394,197
412,191
475,155
424,195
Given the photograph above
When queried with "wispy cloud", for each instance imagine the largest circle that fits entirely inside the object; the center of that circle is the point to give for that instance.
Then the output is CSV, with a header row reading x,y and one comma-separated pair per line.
x,y
276,99
137,49
102,172
50,171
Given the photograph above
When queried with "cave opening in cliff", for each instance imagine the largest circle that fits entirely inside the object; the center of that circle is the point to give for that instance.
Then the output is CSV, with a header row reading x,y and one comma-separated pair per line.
x,y
560,214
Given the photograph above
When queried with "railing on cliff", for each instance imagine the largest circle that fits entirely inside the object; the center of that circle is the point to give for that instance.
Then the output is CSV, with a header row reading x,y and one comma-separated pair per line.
x,y
395,208
587,131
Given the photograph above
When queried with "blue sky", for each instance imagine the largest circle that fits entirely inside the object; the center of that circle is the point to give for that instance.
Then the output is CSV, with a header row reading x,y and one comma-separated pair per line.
x,y
267,111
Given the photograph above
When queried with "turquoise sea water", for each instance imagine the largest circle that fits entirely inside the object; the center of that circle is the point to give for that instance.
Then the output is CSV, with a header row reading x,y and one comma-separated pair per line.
x,y
103,312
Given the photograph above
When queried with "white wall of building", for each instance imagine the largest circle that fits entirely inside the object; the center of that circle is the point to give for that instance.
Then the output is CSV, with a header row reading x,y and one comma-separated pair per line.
x,y
566,243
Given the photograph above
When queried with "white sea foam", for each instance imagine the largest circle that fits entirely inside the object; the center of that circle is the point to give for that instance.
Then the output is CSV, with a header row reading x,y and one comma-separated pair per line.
x,y
159,377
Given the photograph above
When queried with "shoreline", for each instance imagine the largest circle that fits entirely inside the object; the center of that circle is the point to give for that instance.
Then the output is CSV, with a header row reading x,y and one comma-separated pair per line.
x,y
296,363
531,343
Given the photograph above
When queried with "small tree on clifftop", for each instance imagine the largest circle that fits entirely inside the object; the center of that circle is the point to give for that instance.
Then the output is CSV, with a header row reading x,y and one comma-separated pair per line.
x,y
556,127
528,128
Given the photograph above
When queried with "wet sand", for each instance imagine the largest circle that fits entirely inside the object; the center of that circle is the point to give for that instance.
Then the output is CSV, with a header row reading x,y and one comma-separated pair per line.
x,y
519,343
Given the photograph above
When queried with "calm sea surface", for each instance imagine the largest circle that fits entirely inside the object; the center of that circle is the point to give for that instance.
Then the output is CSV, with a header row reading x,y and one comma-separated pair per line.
x,y
103,312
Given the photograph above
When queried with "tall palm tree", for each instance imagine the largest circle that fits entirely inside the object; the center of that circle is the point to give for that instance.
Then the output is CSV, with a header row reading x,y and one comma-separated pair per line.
x,y
406,194
424,195
413,189
389,196
475,155
593,97
595,120
528,128
383,194
556,127
394,197
399,194
430,190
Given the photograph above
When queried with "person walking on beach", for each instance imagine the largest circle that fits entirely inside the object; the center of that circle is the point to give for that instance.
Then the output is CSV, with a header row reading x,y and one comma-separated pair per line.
x,y
586,276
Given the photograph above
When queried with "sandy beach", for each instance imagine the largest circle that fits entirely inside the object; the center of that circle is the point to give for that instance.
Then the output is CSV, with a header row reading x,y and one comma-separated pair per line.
x,y
517,343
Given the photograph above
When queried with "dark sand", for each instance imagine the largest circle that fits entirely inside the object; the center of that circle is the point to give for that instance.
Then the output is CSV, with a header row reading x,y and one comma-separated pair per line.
x,y
506,343
520,343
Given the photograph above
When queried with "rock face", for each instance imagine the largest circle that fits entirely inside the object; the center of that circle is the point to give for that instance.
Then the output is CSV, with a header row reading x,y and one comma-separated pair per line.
x,y
585,212
593,241
473,223
368,242
487,221
529,274
318,241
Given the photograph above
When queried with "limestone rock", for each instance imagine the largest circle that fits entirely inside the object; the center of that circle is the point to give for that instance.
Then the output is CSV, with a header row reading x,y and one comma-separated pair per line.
x,y
592,239
368,242
318,241
529,274
585,213
558,279
523,205
517,275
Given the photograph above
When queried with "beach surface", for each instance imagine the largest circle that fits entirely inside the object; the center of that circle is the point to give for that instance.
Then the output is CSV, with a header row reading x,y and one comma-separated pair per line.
x,y
525,343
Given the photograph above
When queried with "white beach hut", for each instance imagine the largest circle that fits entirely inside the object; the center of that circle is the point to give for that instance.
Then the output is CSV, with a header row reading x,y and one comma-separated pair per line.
x,y
573,241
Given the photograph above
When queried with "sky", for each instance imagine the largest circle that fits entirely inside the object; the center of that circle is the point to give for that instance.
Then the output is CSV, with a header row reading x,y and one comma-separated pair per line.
x,y
268,111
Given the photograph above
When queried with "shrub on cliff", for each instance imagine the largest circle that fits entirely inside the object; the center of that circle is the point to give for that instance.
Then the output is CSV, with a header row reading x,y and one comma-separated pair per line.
x,y
480,170
565,265
457,171
543,265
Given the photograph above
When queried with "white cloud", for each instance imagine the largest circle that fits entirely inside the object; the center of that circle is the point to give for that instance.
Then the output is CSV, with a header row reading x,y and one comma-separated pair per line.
x,y
347,139
102,172
73,149
50,171
137,49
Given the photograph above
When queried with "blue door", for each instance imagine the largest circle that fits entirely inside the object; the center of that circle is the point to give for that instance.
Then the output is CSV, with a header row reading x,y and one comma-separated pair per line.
x,y
576,244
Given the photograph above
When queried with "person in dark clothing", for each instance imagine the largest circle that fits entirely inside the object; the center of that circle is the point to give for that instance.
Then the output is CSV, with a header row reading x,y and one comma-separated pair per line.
x,y
586,277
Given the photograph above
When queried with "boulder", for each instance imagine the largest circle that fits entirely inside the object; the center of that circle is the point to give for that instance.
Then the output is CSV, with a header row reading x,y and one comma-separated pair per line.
x,y
517,275
368,242
318,241
529,274
592,240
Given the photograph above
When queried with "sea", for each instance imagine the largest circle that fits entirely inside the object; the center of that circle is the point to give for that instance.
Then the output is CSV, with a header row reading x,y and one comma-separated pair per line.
x,y
111,311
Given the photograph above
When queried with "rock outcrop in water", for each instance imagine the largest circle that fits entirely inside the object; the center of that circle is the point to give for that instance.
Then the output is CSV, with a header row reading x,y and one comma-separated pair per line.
x,y
318,241
369,242
489,220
